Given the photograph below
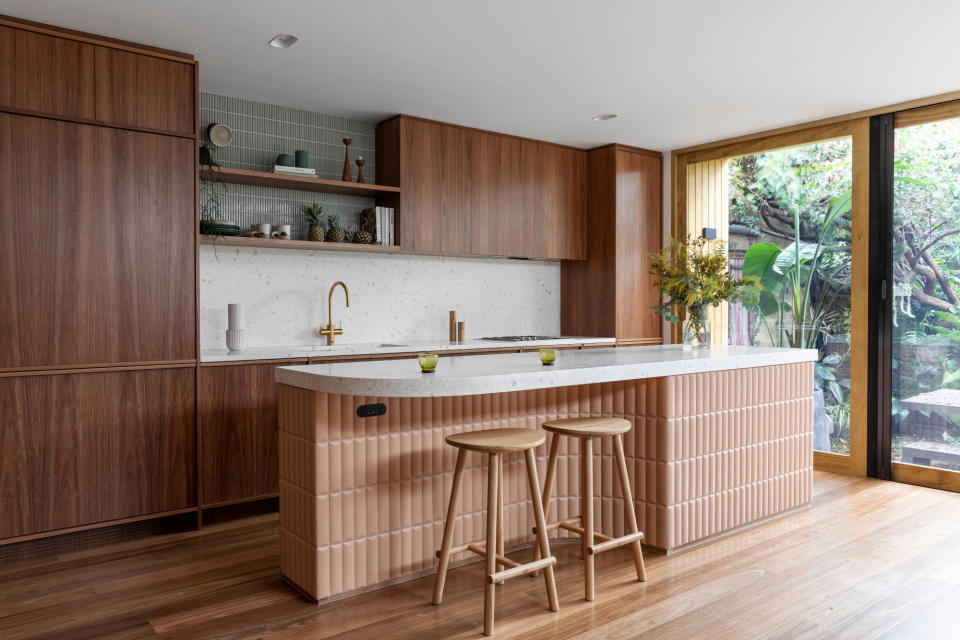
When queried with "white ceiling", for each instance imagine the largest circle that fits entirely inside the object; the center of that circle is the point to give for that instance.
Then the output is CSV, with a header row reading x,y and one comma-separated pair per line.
x,y
677,73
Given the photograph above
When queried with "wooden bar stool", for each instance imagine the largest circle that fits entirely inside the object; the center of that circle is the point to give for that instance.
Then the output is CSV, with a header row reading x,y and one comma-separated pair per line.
x,y
586,429
495,443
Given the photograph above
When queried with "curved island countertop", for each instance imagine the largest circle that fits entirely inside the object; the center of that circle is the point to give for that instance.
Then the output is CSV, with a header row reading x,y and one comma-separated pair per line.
x,y
500,373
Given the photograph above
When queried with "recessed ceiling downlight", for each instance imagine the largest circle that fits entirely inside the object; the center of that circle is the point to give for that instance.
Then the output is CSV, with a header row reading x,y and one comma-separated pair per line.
x,y
283,41
604,116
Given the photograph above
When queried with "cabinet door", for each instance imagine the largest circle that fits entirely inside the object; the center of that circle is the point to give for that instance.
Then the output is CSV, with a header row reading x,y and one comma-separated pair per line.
x,y
238,432
638,226
435,183
144,91
91,447
96,245
561,224
46,74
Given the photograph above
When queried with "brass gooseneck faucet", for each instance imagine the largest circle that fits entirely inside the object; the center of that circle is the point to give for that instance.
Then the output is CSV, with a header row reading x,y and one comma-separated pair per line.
x,y
329,331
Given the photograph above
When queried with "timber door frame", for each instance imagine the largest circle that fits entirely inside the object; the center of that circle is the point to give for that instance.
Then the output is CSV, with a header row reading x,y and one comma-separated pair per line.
x,y
902,471
858,129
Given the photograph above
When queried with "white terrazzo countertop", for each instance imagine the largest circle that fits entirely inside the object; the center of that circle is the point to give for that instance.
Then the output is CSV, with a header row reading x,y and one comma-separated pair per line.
x,y
499,373
355,349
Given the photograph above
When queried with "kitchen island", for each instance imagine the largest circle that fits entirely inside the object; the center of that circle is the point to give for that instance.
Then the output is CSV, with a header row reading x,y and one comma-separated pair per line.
x,y
721,439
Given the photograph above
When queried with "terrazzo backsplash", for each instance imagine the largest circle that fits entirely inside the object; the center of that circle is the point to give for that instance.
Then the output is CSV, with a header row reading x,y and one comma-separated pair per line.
x,y
393,297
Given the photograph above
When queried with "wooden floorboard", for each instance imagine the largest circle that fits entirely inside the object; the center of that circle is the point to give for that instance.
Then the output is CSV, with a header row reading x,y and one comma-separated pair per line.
x,y
869,559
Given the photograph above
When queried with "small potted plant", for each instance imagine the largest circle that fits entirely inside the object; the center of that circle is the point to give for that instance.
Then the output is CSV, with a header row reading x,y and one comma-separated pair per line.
x,y
314,215
693,275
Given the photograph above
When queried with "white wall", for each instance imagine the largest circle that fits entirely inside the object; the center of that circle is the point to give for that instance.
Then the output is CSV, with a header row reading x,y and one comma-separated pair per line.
x,y
393,297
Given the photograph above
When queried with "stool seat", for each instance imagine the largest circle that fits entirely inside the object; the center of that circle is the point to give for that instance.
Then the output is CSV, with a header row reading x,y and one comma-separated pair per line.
x,y
588,427
498,440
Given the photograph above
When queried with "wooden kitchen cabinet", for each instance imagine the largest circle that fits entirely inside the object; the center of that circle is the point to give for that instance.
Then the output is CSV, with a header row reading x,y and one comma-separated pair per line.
x,y
238,431
145,91
471,192
69,78
97,248
92,447
45,74
611,293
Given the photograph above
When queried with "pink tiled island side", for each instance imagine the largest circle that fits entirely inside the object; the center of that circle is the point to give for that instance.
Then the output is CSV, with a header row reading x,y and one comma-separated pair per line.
x,y
722,438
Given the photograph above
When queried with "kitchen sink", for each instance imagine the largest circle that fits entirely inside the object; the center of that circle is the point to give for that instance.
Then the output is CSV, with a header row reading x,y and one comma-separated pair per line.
x,y
390,344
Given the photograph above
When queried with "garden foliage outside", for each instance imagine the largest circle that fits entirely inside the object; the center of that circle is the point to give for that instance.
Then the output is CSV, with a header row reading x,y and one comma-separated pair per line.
x,y
796,205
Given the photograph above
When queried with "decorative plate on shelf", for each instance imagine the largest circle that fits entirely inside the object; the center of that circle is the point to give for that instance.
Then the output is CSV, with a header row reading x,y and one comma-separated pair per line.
x,y
220,134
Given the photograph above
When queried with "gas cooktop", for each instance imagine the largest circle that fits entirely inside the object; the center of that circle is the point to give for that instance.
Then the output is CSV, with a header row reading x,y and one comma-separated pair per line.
x,y
519,338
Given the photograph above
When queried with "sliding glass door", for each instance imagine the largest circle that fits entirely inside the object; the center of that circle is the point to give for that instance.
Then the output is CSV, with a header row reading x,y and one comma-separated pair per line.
x,y
923,299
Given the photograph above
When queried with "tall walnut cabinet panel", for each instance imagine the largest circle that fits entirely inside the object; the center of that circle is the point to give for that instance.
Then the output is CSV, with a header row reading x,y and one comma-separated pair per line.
x,y
471,192
611,292
98,236
97,245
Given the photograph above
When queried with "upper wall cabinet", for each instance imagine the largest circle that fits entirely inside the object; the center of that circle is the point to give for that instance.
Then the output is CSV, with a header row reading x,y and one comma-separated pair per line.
x,y
49,75
44,74
144,92
470,192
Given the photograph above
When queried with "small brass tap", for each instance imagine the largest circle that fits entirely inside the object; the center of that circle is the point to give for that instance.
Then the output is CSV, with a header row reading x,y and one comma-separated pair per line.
x,y
329,330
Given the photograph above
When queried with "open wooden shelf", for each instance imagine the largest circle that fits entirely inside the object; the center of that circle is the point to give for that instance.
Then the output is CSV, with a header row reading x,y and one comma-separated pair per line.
x,y
269,179
302,245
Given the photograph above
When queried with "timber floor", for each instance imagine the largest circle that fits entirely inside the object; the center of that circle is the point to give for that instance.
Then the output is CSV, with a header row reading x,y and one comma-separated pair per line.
x,y
870,559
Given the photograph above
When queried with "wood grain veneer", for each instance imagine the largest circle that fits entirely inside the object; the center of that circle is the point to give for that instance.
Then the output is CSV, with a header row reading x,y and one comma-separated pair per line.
x,y
610,293
362,500
300,183
472,192
82,36
46,74
97,246
238,432
84,448
145,91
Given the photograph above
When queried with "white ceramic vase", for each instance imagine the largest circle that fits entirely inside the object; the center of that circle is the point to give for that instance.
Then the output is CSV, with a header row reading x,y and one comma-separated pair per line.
x,y
235,339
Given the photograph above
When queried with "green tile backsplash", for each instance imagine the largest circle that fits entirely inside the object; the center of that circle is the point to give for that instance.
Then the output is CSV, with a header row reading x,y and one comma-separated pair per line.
x,y
260,132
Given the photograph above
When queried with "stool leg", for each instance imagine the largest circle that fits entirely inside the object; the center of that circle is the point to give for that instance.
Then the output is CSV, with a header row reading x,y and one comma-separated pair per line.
x,y
448,527
542,542
586,511
489,587
500,513
630,507
548,487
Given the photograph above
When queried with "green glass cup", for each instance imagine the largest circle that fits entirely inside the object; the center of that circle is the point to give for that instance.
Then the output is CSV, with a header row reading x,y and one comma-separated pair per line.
x,y
547,356
428,362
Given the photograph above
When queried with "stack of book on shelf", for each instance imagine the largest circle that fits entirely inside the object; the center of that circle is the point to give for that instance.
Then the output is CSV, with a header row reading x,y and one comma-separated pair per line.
x,y
305,172
385,227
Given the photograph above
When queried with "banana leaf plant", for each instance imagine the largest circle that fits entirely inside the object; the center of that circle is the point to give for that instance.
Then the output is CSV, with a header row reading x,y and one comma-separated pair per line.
x,y
801,281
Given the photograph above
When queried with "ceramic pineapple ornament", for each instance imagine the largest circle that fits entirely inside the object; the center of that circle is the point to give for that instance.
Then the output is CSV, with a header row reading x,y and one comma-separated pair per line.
x,y
314,215
335,233
363,237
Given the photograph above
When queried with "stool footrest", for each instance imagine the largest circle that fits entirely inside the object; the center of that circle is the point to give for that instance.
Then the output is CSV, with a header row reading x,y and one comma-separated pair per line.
x,y
559,524
613,543
580,531
481,551
521,569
